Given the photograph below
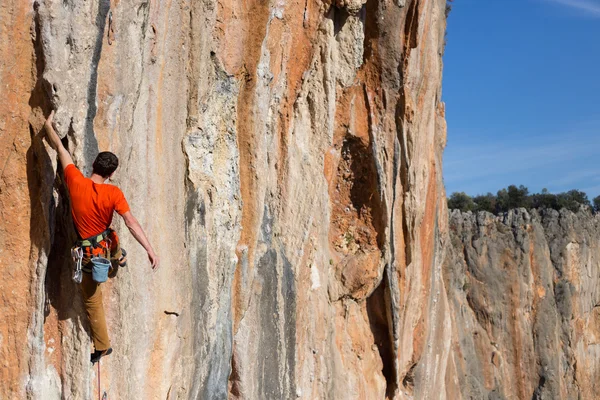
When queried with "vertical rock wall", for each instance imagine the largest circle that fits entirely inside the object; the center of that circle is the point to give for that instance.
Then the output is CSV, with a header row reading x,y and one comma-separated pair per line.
x,y
524,291
284,158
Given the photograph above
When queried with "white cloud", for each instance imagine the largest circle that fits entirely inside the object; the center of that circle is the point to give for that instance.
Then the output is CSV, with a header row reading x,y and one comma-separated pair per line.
x,y
589,6
558,162
497,157
588,175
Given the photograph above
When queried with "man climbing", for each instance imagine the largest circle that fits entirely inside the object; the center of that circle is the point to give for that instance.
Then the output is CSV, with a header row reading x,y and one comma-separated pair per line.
x,y
93,203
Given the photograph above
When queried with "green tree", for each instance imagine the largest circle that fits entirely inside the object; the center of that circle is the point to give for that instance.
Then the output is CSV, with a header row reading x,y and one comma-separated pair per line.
x,y
461,201
518,197
572,200
513,197
448,7
485,202
502,201
544,200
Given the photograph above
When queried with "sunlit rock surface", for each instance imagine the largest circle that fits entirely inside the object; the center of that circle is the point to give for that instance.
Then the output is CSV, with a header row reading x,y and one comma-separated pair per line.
x,y
524,291
284,158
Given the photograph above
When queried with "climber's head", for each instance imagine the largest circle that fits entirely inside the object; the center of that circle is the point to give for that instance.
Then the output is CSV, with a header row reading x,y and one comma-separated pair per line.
x,y
105,164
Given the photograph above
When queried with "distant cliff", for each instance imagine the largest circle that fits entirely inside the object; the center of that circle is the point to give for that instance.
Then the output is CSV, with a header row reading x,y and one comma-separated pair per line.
x,y
524,292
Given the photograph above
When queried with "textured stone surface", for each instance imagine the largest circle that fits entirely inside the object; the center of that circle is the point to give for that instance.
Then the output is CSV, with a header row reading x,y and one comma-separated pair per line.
x,y
285,159
524,290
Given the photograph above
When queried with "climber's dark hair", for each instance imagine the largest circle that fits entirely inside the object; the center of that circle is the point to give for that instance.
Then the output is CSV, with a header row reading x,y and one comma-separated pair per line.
x,y
105,164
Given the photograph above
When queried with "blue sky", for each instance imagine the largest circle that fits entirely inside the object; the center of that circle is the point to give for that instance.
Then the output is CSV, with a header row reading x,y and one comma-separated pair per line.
x,y
522,93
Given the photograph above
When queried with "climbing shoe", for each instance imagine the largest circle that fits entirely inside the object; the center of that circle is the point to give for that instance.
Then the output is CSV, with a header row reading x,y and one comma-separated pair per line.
x,y
123,259
98,354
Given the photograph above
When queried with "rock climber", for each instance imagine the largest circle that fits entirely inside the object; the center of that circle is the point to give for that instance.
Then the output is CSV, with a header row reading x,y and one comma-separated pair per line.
x,y
92,204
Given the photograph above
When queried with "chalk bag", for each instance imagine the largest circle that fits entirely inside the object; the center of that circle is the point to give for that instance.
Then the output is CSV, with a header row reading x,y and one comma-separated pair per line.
x,y
100,266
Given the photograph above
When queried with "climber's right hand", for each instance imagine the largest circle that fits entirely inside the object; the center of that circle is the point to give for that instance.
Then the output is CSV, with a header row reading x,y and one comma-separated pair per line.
x,y
153,260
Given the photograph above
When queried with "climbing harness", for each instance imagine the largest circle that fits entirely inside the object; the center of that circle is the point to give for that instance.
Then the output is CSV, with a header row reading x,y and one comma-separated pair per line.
x,y
97,251
77,254
94,241
93,255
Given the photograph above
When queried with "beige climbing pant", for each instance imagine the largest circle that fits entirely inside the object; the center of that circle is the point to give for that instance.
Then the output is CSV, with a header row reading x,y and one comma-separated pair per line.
x,y
92,300
92,294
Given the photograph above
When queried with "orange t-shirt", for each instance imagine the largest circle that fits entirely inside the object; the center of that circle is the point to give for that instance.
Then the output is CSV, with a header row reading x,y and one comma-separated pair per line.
x,y
92,204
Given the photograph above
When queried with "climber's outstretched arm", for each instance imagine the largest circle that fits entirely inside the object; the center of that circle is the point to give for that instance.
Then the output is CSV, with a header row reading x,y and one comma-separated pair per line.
x,y
138,233
54,140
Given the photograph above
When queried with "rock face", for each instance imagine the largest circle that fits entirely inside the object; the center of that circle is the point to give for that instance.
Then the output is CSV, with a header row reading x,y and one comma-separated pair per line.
x,y
284,158
524,292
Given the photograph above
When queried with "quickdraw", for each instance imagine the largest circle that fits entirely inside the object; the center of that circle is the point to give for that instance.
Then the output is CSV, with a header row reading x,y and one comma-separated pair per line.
x,y
110,36
77,254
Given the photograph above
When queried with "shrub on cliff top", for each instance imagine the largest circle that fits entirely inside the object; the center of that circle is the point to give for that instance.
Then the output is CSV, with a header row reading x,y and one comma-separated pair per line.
x,y
486,202
461,201
572,200
597,204
544,200
519,197
448,7
513,197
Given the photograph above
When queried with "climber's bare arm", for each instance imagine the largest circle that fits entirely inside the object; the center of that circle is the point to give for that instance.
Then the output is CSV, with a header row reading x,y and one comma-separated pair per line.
x,y
138,233
54,140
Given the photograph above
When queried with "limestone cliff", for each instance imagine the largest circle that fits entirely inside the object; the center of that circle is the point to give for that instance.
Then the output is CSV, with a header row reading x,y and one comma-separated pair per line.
x,y
524,291
284,158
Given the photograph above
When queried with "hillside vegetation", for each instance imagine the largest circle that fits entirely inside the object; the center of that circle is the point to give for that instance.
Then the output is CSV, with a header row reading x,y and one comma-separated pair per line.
x,y
519,197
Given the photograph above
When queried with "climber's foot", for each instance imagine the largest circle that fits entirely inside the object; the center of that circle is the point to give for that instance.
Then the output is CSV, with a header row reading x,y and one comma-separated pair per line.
x,y
98,354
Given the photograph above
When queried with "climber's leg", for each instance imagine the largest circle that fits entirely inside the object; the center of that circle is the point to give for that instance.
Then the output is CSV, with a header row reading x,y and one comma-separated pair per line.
x,y
92,300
